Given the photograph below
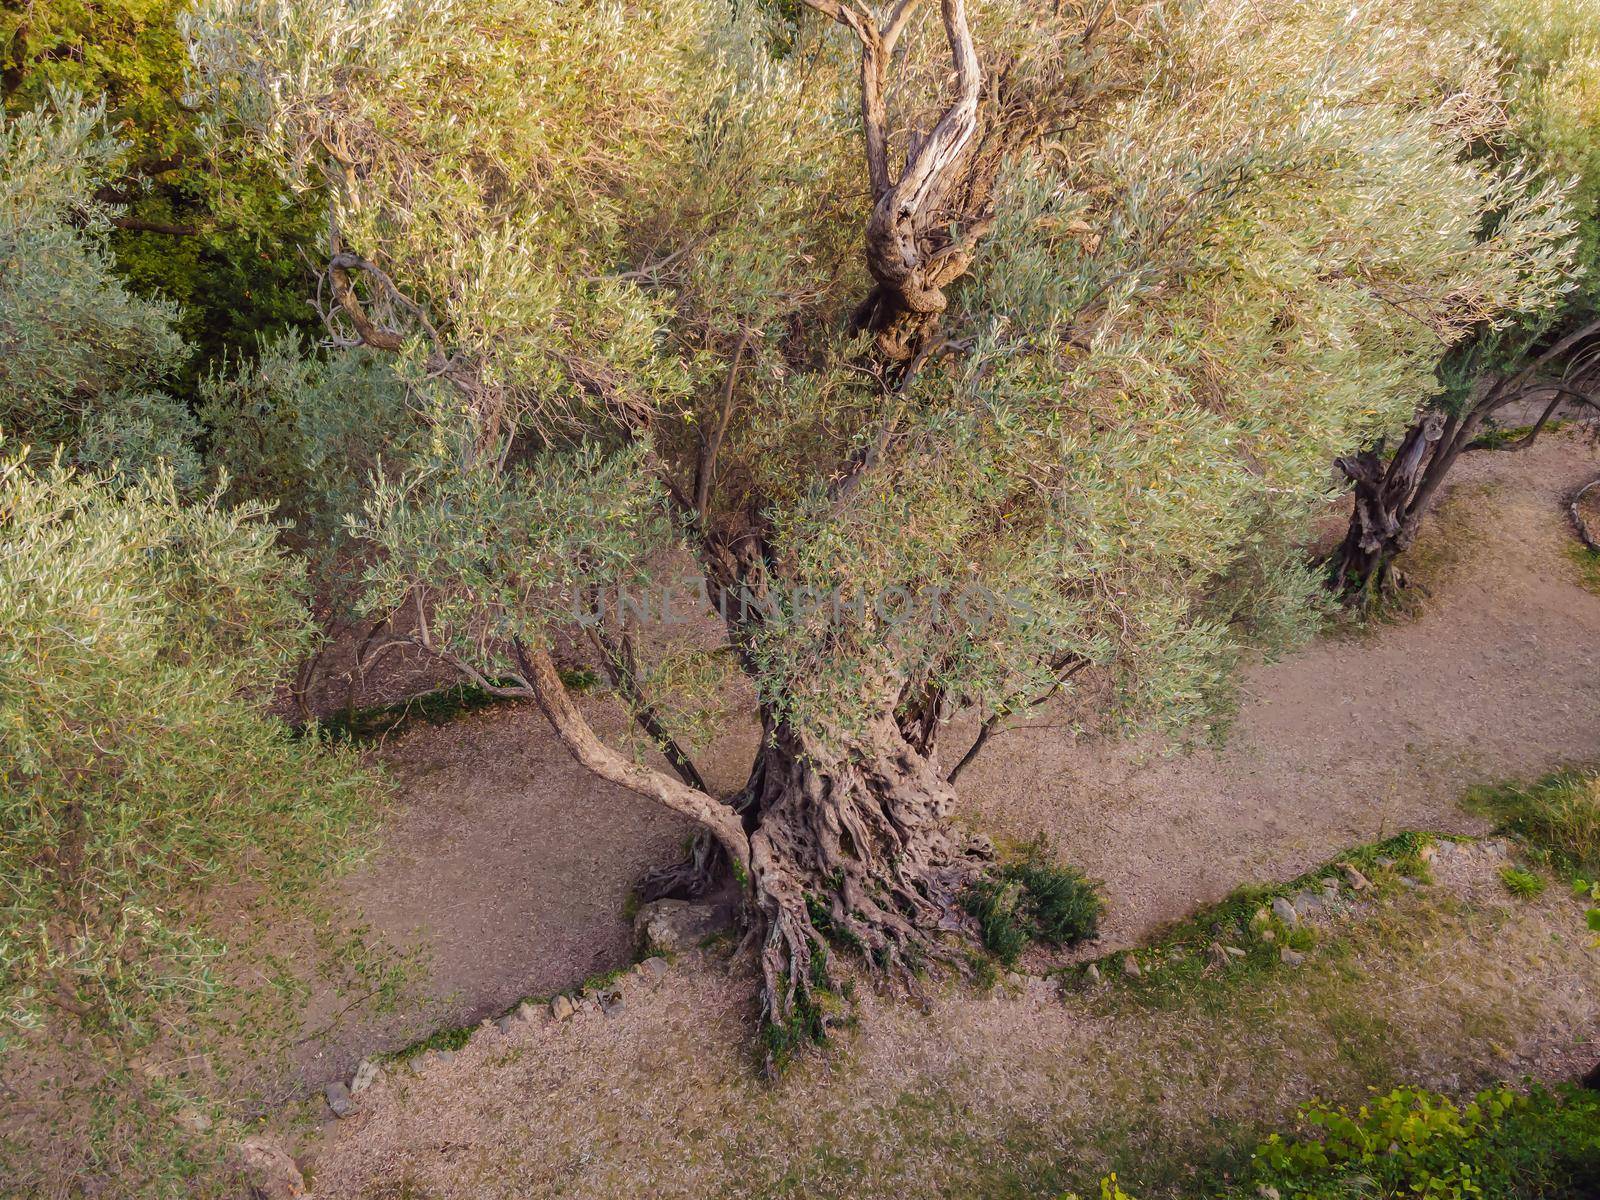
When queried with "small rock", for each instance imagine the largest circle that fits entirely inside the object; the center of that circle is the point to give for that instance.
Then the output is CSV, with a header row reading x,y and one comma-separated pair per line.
x,y
654,968
1293,957
339,1102
1496,847
272,1173
1307,903
1130,966
1092,974
1284,910
527,1012
1268,935
1217,956
1014,978
1407,881
612,1003
561,1008
1267,1192
1234,952
1385,862
587,1004
670,926
366,1075
1357,881
507,1023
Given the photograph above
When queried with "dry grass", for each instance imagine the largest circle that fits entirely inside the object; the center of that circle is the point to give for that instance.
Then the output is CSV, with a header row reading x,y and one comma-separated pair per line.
x,y
1011,1095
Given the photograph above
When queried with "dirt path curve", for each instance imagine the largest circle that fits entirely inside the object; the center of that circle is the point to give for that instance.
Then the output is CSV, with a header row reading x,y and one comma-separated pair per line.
x,y
1349,739
513,865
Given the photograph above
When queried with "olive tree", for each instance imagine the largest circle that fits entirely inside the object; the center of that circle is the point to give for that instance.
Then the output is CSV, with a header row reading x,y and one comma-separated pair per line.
x,y
83,360
1549,353
972,351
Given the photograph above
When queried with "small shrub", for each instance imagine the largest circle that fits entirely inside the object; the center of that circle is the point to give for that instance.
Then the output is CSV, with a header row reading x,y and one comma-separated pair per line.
x,y
992,903
1524,885
1033,899
1061,903
1541,1145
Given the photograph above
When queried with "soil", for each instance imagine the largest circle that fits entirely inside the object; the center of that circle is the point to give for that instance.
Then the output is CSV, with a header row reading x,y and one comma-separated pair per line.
x,y
1019,1093
512,866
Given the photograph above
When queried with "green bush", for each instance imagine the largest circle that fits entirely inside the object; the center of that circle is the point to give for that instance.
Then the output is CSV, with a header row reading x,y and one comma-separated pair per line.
x,y
138,637
1501,1145
85,360
1033,899
307,433
1542,1144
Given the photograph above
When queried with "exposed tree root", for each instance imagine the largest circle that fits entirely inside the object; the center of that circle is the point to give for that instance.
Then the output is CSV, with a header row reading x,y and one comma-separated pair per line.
x,y
854,849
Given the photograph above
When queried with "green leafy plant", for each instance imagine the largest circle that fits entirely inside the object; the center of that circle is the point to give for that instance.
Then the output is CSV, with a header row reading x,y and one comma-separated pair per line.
x,y
1501,1145
1523,884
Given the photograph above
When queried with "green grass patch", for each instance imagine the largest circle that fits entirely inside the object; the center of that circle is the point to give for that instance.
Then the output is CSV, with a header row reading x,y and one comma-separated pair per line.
x,y
1588,564
1179,965
1033,899
1557,818
451,1039
1524,885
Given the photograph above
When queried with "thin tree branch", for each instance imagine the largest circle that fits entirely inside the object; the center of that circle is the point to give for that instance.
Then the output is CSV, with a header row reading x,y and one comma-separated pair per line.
x,y
623,669
544,681
990,726
711,445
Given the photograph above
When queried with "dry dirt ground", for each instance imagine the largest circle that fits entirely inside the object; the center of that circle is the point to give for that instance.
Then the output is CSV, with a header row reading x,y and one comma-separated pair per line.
x,y
511,866
1020,1093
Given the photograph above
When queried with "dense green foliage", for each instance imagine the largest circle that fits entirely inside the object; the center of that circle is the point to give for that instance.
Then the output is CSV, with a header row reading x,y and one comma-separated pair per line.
x,y
1541,1145
1551,50
1502,1144
1248,261
197,223
137,636
1033,899
85,360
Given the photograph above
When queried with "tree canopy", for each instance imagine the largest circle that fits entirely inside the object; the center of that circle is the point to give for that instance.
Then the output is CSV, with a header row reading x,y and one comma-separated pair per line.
x,y
657,276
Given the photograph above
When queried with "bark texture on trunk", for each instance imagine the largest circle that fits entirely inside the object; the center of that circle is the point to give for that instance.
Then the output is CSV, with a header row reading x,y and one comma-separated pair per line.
x,y
851,842
1386,515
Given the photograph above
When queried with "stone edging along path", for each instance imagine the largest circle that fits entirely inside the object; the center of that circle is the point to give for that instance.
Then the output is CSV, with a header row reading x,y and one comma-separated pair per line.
x,y
1275,923
1188,967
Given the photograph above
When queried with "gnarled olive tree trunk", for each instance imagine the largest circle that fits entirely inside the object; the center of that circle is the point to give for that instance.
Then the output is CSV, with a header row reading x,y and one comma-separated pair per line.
x,y
1393,495
851,841
1389,503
